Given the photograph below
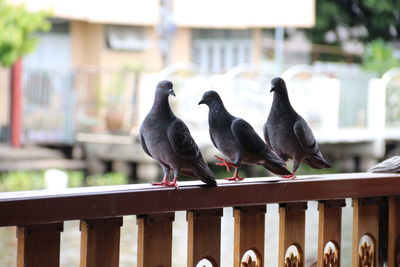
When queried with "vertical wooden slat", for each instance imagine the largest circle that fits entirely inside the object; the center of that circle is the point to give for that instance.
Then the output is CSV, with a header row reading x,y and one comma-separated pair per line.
x,y
249,229
155,239
39,245
365,231
291,234
100,242
204,236
394,232
329,230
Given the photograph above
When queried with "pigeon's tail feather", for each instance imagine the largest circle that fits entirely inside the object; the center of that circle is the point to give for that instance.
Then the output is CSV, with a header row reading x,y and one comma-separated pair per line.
x,y
203,172
276,168
317,162
209,180
275,164
204,177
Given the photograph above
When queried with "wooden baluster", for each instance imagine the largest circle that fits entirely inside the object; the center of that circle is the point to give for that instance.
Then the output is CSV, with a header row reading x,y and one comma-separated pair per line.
x,y
204,236
394,232
39,245
291,234
249,229
155,239
365,231
100,242
329,232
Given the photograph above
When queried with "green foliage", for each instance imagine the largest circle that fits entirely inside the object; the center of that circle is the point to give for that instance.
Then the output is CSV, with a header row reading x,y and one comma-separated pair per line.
x,y
379,57
17,25
259,171
307,170
380,18
75,178
113,178
30,180
21,180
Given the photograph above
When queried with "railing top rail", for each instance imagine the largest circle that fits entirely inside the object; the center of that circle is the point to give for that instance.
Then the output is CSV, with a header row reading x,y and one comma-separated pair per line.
x,y
43,206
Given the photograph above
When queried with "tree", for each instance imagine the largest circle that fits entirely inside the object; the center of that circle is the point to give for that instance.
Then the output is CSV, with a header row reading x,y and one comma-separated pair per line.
x,y
338,21
379,57
17,26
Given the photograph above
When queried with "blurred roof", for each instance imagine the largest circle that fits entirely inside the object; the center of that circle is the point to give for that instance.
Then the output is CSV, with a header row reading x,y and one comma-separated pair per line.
x,y
186,13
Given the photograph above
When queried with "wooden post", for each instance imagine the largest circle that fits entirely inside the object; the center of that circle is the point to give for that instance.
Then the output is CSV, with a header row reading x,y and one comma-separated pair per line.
x,y
204,236
155,239
100,242
16,104
291,234
329,232
365,232
39,245
249,229
394,232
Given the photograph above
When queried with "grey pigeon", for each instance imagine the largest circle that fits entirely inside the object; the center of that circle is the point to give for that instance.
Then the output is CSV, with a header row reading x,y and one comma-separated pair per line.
x,y
237,140
288,134
391,165
167,139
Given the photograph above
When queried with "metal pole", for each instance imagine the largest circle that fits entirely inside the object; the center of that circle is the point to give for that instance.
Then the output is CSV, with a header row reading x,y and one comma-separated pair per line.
x,y
279,39
16,104
166,28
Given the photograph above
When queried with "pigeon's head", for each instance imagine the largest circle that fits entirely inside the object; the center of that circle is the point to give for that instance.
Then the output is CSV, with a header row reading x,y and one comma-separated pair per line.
x,y
277,85
210,98
165,88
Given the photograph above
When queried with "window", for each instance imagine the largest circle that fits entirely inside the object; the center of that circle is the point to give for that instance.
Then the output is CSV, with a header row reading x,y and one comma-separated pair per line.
x,y
219,50
126,38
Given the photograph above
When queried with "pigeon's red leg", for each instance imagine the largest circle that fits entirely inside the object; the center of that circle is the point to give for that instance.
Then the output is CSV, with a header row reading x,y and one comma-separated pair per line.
x,y
235,176
296,164
173,183
291,176
164,182
166,170
225,163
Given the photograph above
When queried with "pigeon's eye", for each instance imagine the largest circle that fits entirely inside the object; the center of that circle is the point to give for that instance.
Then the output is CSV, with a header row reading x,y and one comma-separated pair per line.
x,y
162,86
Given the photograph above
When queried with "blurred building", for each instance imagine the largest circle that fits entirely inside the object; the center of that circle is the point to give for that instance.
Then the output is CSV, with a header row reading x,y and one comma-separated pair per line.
x,y
216,35
85,72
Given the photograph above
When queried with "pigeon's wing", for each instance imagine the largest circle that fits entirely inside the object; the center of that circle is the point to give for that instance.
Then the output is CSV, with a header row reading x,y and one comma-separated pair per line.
x,y
246,136
304,135
266,136
391,165
181,140
144,145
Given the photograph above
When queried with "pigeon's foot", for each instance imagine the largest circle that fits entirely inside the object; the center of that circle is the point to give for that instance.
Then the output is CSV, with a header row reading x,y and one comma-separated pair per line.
x,y
225,163
164,182
161,183
174,183
234,178
291,176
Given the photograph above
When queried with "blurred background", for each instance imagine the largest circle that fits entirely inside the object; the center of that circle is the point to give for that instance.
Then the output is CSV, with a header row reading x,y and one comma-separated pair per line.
x,y
78,77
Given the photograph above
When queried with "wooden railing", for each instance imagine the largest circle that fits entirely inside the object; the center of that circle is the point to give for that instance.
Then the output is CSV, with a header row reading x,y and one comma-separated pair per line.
x,y
39,217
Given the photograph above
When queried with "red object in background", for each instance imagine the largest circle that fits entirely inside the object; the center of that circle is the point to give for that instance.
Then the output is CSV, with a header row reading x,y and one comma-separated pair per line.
x,y
16,104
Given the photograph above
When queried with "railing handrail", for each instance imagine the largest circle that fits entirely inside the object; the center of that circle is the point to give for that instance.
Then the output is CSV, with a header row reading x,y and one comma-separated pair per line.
x,y
45,206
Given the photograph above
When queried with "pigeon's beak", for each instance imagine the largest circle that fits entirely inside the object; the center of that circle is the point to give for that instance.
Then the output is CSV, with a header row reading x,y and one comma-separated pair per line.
x,y
171,92
272,89
202,102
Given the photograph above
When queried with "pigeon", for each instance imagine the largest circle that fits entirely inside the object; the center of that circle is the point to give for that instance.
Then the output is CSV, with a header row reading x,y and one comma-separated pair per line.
x,y
167,139
288,134
391,165
237,140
